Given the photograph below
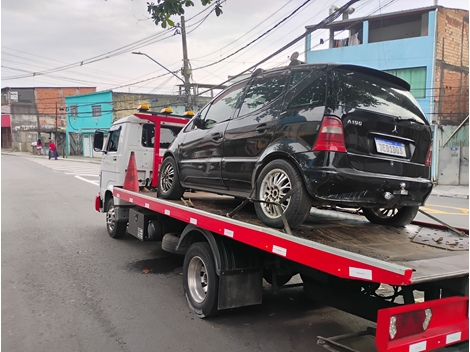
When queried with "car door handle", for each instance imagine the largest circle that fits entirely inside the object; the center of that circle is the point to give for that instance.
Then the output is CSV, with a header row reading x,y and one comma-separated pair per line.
x,y
114,158
261,128
216,136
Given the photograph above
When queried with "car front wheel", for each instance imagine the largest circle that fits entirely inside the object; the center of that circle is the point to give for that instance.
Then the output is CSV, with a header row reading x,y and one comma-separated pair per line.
x,y
392,217
169,186
275,181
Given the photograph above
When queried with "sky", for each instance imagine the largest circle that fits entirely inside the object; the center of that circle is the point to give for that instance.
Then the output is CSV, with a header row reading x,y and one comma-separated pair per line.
x,y
89,43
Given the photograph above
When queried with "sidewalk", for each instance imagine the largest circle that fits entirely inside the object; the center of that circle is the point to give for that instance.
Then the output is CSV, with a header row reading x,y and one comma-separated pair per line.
x,y
68,157
450,191
439,190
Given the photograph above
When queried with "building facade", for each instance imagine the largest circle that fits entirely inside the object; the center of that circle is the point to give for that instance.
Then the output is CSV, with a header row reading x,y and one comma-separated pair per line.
x,y
427,47
87,113
36,112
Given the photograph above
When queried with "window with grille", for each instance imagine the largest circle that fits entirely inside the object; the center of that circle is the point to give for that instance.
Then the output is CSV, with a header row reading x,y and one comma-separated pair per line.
x,y
96,110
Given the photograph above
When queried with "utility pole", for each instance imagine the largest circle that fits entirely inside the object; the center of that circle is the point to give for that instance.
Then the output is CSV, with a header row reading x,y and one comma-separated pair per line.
x,y
186,71
56,113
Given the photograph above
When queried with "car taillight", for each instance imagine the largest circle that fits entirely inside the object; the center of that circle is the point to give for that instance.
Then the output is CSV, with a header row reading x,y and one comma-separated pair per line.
x,y
331,136
409,323
429,156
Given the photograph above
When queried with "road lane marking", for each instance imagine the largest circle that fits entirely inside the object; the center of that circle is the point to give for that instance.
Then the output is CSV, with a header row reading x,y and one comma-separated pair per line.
x,y
431,209
96,183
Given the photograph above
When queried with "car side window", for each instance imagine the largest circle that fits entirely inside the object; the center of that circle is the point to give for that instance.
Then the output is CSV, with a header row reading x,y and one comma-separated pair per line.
x,y
222,107
313,95
297,76
262,91
113,140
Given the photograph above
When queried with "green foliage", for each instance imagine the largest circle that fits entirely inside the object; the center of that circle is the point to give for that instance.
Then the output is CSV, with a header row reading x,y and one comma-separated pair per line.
x,y
164,9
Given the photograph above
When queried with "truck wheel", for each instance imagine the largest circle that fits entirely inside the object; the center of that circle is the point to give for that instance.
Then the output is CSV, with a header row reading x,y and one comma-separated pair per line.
x,y
276,179
392,217
200,281
169,186
115,229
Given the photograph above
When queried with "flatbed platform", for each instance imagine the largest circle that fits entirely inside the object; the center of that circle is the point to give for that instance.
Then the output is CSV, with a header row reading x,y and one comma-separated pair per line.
x,y
338,242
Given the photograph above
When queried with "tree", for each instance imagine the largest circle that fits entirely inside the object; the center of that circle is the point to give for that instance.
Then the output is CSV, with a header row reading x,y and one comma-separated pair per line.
x,y
164,9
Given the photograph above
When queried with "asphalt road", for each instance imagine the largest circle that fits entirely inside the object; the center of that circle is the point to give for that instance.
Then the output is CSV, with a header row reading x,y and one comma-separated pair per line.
x,y
67,286
453,211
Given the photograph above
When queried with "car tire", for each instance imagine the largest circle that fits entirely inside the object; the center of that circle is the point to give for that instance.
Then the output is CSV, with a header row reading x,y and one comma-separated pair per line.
x,y
274,181
392,217
200,280
169,186
115,229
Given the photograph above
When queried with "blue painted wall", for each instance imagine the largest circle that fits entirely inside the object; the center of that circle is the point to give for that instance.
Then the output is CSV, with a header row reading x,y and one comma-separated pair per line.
x,y
387,55
84,122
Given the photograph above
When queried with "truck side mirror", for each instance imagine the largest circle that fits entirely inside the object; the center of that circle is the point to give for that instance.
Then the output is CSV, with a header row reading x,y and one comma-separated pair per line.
x,y
98,141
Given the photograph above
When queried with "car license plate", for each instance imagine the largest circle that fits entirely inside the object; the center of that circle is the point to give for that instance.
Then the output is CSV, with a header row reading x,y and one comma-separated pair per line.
x,y
389,147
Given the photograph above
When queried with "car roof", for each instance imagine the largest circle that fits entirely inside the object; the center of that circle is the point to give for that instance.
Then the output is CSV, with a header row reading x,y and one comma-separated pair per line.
x,y
330,65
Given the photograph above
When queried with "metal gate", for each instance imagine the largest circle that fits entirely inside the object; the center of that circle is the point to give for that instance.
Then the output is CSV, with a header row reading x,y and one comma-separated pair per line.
x,y
453,166
75,143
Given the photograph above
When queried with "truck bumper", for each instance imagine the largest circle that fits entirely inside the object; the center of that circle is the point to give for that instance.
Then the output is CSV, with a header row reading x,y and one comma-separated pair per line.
x,y
448,325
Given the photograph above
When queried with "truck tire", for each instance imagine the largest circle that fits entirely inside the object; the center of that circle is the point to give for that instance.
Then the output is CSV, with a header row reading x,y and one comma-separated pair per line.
x,y
392,217
115,229
169,186
275,180
200,281
170,241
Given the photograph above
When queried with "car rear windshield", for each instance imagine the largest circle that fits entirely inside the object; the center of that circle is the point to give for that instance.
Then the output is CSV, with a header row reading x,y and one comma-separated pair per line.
x,y
350,89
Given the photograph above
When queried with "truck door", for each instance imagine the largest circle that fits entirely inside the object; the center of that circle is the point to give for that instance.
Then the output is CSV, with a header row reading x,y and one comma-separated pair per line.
x,y
110,158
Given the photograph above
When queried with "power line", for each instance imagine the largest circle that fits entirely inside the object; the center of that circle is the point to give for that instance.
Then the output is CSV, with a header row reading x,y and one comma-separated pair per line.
x,y
258,38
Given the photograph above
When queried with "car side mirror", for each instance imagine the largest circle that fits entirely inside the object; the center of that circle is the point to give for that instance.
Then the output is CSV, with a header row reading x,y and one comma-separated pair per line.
x,y
198,121
98,141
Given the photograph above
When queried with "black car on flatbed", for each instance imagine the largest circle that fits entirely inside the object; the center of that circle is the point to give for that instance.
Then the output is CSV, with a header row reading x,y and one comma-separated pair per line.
x,y
308,135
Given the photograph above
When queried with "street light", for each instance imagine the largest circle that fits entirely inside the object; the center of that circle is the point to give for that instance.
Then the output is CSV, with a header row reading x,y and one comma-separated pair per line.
x,y
139,53
187,89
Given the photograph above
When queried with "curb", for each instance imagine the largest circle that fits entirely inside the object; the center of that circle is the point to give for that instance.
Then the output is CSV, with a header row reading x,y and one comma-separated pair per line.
x,y
462,196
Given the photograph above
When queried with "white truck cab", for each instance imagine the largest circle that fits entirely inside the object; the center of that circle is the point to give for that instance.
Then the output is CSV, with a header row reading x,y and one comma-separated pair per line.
x,y
135,133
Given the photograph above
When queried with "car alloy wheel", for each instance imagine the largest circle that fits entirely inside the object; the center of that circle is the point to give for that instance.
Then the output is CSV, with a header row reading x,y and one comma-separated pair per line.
x,y
169,186
273,188
275,180
391,216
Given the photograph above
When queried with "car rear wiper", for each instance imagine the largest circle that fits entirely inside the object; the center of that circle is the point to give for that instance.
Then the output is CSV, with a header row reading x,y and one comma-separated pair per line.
x,y
399,118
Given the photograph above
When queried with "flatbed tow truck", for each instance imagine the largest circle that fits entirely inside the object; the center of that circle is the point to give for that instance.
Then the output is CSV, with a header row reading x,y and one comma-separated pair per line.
x,y
343,260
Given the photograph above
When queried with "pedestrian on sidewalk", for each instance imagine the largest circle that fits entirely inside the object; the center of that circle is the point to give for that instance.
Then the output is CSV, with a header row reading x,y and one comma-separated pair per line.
x,y
52,149
39,146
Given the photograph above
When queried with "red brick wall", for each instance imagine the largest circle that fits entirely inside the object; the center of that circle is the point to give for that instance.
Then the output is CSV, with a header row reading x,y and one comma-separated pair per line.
x,y
46,99
451,93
